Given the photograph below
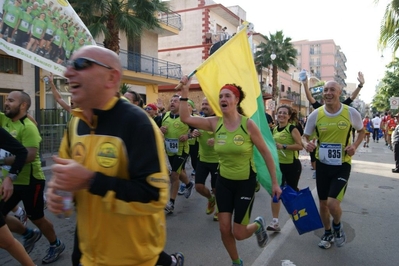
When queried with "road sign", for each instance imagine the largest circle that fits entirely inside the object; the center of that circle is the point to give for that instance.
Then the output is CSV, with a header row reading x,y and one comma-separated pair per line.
x,y
394,102
272,105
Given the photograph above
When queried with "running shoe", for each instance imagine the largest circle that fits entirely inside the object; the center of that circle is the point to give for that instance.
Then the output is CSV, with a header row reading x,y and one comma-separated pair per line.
x,y
216,217
29,242
189,190
179,258
238,264
211,205
339,237
23,218
182,188
274,227
169,208
53,253
261,235
326,240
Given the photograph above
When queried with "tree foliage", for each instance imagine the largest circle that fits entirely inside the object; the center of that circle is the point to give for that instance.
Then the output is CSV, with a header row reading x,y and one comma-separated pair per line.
x,y
389,33
108,17
389,87
285,53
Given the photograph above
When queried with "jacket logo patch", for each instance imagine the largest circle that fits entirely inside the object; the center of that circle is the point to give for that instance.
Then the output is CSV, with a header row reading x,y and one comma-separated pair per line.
x,y
79,152
106,155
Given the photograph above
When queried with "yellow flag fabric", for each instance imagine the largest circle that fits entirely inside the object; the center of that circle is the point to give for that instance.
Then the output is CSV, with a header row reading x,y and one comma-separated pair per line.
x,y
233,63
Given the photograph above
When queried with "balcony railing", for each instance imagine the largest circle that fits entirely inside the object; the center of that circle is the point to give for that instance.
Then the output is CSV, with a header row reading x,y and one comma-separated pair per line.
x,y
150,65
171,19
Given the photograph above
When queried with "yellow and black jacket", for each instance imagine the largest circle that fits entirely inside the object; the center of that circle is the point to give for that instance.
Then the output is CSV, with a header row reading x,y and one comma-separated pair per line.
x,y
120,218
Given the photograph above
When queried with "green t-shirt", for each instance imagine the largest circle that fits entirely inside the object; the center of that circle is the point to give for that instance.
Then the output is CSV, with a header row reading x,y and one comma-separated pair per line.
x,y
38,27
51,28
284,136
25,22
12,14
207,153
333,135
235,150
59,37
27,134
176,128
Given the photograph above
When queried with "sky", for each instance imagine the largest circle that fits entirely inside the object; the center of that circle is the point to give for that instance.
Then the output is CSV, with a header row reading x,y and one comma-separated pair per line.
x,y
353,25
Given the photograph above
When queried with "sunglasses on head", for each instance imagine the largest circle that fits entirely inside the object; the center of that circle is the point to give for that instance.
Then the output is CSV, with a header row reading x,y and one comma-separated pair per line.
x,y
84,62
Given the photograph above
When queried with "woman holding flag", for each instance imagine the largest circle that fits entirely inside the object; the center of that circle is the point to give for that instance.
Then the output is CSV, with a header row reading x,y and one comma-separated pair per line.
x,y
235,138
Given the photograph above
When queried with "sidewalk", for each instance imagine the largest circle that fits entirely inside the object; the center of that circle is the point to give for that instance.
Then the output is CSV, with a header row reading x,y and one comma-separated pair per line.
x,y
369,218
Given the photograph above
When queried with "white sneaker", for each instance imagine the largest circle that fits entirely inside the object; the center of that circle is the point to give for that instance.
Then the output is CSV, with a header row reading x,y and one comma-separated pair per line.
x,y
23,218
274,227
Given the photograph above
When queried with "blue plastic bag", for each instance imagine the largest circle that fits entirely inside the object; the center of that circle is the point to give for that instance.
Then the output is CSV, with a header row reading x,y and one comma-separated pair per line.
x,y
302,209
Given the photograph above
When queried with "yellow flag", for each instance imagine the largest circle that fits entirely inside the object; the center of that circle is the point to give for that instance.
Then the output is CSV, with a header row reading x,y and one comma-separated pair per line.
x,y
233,63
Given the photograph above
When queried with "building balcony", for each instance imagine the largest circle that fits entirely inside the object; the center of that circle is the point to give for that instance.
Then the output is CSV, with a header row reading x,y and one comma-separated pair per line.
x,y
152,66
170,23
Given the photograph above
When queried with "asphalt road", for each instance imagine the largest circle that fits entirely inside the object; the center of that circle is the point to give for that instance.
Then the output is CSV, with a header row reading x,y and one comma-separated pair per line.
x,y
369,218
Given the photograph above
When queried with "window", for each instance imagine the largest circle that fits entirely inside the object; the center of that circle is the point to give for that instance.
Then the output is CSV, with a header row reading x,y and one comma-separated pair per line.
x,y
282,88
10,65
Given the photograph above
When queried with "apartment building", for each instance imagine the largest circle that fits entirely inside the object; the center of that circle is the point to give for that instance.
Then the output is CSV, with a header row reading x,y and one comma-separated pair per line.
x,y
205,23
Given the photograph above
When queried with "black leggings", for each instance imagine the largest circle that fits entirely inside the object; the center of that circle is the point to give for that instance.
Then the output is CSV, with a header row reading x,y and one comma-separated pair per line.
x,y
291,173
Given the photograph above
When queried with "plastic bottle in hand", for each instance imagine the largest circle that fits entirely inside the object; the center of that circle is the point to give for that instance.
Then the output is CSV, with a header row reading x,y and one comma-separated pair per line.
x,y
303,75
68,203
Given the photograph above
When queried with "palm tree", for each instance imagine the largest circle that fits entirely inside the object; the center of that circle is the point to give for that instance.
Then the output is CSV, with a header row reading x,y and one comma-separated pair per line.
x,y
389,30
285,53
108,17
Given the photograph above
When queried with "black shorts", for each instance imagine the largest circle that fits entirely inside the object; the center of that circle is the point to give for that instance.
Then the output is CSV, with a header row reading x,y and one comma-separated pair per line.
x,y
203,170
236,196
313,156
2,220
32,198
177,162
10,30
47,37
332,180
291,173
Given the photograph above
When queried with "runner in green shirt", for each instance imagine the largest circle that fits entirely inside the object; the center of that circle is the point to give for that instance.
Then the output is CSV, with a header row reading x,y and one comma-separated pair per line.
x,y
39,27
24,24
10,19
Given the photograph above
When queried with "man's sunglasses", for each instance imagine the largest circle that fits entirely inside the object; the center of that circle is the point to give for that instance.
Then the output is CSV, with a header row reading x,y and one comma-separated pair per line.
x,y
84,62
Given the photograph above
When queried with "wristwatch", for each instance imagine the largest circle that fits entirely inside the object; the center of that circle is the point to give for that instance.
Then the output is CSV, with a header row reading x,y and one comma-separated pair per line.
x,y
13,177
284,146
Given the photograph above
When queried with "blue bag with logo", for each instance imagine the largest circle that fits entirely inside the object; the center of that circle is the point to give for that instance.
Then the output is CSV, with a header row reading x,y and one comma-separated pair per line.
x,y
302,209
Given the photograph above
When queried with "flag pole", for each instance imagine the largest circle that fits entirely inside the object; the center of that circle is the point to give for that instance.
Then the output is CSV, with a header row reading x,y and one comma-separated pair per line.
x,y
178,87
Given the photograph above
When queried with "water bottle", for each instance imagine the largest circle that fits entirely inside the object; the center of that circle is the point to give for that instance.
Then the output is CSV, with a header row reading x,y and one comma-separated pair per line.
x,y
302,75
68,203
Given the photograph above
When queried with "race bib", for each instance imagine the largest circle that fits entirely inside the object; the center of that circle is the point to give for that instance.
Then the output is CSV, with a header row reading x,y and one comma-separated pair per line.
x,y
4,154
39,30
49,31
330,153
172,145
24,24
10,18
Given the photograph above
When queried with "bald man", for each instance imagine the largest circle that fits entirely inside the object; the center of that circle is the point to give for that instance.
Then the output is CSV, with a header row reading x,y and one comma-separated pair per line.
x,y
333,123
117,173
29,184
